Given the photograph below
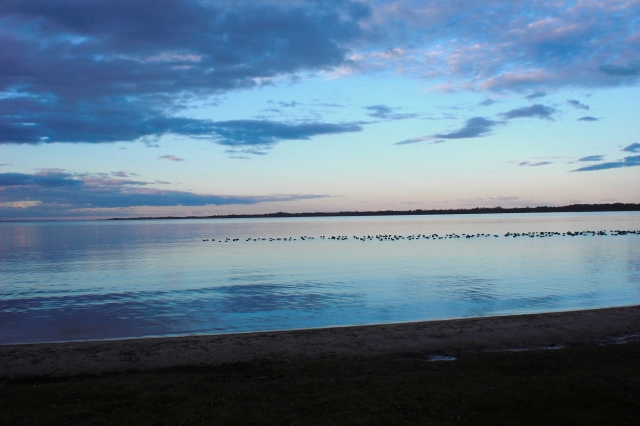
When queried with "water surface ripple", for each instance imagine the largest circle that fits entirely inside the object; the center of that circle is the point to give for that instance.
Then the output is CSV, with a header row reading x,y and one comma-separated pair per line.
x,y
62,281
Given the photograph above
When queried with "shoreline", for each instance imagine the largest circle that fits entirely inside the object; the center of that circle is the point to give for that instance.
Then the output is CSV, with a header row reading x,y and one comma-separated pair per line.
x,y
572,208
583,327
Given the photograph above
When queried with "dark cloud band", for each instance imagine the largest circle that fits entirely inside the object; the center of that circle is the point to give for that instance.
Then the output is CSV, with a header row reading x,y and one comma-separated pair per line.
x,y
59,194
473,128
533,111
592,158
103,122
632,161
387,113
634,147
577,104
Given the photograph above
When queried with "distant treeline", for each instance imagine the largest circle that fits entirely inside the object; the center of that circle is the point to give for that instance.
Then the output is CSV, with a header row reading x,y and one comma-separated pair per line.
x,y
572,208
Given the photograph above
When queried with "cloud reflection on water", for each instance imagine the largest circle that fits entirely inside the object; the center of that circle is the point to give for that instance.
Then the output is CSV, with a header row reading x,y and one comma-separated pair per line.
x,y
91,280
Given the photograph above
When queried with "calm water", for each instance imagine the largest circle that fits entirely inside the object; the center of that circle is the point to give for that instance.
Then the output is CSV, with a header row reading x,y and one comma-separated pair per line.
x,y
64,281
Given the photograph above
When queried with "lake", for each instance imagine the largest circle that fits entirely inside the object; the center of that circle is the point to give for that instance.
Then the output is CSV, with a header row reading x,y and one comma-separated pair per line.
x,y
87,280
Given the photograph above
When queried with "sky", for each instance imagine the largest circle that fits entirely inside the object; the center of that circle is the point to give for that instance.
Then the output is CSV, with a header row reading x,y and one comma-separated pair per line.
x,y
180,107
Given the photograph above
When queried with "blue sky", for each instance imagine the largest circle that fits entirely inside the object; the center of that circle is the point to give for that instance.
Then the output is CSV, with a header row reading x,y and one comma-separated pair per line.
x,y
176,107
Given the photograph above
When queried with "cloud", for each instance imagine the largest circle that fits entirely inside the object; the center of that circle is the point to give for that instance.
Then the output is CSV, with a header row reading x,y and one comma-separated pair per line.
x,y
535,111
170,158
588,118
634,147
592,158
480,126
415,140
105,122
473,128
538,164
631,161
487,102
263,133
122,174
536,95
620,70
387,113
60,194
43,179
577,104
97,72
328,105
192,45
499,46
291,104
244,153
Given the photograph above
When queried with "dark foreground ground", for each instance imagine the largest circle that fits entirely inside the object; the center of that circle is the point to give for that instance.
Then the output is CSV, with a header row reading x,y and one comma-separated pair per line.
x,y
580,384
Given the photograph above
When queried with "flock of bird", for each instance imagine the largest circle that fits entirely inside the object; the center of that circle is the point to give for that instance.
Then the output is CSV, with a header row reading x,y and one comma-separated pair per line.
x,y
390,237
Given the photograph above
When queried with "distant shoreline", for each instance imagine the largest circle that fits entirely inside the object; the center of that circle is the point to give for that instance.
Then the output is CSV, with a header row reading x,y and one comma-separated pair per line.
x,y
572,208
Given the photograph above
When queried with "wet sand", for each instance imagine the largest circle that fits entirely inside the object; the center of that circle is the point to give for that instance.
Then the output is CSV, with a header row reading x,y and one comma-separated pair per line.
x,y
406,339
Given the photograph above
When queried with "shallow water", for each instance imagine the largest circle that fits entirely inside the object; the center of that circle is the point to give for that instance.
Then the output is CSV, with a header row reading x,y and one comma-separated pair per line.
x,y
63,281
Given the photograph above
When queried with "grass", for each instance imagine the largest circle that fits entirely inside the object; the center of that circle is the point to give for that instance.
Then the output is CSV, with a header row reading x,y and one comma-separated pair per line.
x,y
589,385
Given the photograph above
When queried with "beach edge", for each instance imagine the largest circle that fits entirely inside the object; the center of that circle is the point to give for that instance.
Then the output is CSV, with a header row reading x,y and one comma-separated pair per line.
x,y
591,326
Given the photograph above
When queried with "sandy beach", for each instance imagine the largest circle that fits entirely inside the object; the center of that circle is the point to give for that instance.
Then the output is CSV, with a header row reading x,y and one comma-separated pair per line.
x,y
425,338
